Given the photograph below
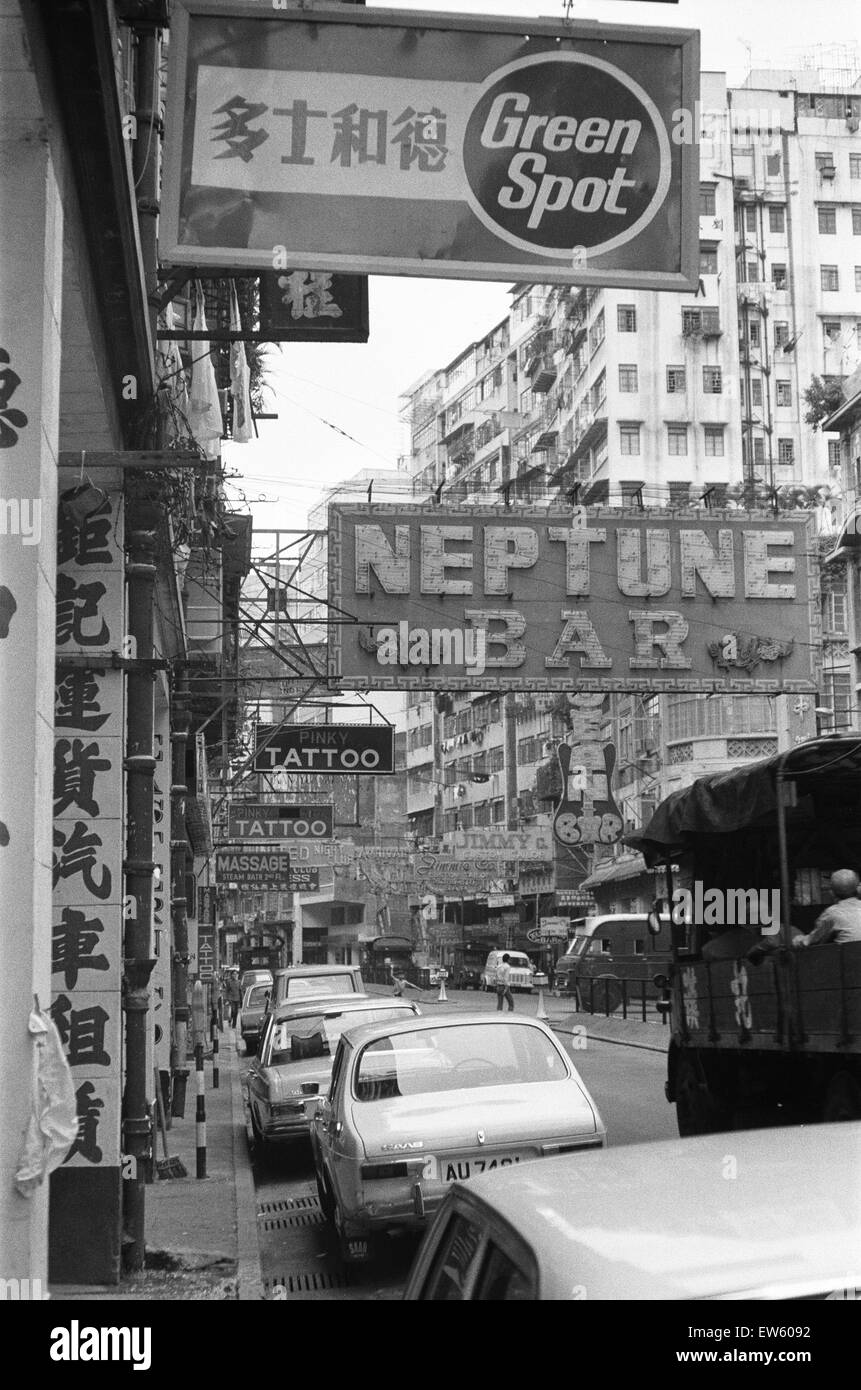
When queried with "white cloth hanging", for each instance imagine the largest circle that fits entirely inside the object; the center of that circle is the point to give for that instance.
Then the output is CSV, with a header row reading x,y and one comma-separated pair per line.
x,y
53,1124
240,379
204,406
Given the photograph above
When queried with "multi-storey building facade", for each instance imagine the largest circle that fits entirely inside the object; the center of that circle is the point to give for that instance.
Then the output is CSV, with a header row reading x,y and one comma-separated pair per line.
x,y
649,399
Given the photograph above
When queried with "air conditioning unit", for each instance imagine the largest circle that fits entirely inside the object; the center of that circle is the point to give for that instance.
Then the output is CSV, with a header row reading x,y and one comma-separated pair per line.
x,y
828,171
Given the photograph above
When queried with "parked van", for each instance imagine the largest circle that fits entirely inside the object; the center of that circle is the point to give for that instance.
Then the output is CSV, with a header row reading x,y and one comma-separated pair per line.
x,y
521,970
614,947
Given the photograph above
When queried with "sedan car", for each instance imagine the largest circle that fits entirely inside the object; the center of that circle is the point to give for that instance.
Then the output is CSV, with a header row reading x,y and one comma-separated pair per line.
x,y
295,1059
684,1219
417,1105
251,1015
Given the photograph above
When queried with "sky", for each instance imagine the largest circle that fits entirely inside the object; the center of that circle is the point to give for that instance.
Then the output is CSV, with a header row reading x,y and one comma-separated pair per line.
x,y
323,394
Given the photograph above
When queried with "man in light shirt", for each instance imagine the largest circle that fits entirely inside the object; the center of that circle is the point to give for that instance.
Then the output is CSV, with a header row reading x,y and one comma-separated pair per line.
x,y
841,922
503,984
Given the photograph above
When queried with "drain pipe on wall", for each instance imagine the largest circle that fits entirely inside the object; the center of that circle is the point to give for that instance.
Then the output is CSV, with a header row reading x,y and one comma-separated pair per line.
x,y
139,867
180,723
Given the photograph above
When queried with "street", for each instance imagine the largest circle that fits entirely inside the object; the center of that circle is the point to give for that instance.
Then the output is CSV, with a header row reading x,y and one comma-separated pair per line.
x,y
298,1249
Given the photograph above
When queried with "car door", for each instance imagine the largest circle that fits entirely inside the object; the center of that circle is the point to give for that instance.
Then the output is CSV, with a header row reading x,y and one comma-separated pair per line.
x,y
332,1114
257,1088
322,1129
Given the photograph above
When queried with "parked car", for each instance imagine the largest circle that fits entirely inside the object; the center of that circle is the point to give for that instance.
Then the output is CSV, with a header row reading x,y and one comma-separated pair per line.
x,y
294,1061
252,1012
254,977
521,970
415,1106
609,949
315,982
657,1221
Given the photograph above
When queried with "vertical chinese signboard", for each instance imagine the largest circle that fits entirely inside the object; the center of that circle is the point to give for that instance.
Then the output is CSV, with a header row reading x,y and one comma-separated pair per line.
x,y
87,934
158,1039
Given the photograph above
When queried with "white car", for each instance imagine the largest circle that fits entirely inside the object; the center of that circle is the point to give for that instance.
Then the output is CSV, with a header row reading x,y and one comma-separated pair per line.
x,y
756,1214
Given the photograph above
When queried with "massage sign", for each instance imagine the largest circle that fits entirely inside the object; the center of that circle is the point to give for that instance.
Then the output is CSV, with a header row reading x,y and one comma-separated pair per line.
x,y
535,598
373,140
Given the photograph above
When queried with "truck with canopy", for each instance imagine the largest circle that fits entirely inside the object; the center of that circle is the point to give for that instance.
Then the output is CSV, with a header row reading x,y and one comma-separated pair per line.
x,y
762,1031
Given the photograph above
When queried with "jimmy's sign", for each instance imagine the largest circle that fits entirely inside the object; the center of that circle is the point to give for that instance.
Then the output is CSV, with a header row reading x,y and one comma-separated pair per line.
x,y
431,144
325,748
535,599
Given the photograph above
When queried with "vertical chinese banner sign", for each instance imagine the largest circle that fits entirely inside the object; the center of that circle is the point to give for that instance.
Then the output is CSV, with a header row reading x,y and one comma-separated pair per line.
x,y
87,923
158,1037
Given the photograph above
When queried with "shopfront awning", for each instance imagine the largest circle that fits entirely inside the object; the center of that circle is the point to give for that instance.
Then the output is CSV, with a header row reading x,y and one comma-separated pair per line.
x,y
629,866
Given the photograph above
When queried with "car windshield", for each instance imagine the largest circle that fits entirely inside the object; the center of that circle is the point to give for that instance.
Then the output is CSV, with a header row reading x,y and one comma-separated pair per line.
x,y
316,1035
449,1059
313,986
518,962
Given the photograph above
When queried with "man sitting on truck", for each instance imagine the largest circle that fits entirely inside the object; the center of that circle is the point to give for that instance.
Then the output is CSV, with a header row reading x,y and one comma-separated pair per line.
x,y
841,922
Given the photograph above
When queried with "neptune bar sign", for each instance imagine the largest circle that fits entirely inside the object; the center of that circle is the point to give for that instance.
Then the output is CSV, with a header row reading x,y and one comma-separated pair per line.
x,y
387,141
535,598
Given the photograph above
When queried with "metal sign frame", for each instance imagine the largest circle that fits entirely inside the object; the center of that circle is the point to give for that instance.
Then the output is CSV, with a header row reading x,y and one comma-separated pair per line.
x,y
479,247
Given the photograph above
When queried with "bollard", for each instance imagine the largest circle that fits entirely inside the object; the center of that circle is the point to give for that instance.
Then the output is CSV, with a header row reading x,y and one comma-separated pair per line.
x,y
215,1059
200,1114
442,997
542,1012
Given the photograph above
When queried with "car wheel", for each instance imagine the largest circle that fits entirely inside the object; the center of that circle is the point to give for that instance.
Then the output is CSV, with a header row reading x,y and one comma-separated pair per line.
x,y
262,1147
698,1109
324,1194
842,1099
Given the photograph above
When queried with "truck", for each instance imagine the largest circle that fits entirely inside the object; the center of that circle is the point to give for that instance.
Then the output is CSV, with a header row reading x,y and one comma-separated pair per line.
x,y
762,1031
263,950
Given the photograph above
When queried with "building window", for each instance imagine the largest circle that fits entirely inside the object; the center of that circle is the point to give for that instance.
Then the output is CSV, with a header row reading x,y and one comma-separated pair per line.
x,y
714,441
276,600
756,391
708,206
626,318
680,494
784,392
750,218
752,272
496,759
824,160
776,219
855,166
599,391
827,218
779,277
482,813
834,612
596,332
675,380
831,331
829,277
786,452
834,453
632,491
628,378
712,381
781,334
629,439
753,332
858,277
759,450
497,811
856,221
708,260
677,440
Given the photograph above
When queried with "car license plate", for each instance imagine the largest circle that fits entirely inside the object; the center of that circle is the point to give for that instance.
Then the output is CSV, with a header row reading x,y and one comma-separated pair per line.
x,y
459,1169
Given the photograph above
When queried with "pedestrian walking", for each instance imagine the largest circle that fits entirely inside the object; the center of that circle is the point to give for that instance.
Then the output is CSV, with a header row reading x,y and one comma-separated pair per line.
x,y
503,984
234,996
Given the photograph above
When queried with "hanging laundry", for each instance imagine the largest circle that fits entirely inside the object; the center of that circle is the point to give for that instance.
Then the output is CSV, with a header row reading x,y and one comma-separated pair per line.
x,y
53,1124
204,409
240,379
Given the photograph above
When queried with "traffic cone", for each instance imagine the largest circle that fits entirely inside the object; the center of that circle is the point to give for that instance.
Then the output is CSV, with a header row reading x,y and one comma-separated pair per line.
x,y
442,997
542,1012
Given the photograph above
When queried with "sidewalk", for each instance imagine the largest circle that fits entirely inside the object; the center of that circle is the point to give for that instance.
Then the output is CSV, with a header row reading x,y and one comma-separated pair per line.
x,y
201,1234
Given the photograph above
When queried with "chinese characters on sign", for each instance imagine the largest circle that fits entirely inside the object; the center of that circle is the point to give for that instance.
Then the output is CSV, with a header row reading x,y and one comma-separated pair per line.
x,y
86,944
313,306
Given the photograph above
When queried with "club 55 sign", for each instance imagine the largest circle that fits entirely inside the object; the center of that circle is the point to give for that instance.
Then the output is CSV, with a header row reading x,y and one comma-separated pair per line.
x,y
531,598
372,140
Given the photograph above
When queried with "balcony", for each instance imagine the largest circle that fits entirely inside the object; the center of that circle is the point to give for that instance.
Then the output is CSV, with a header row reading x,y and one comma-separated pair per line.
x,y
542,372
592,429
